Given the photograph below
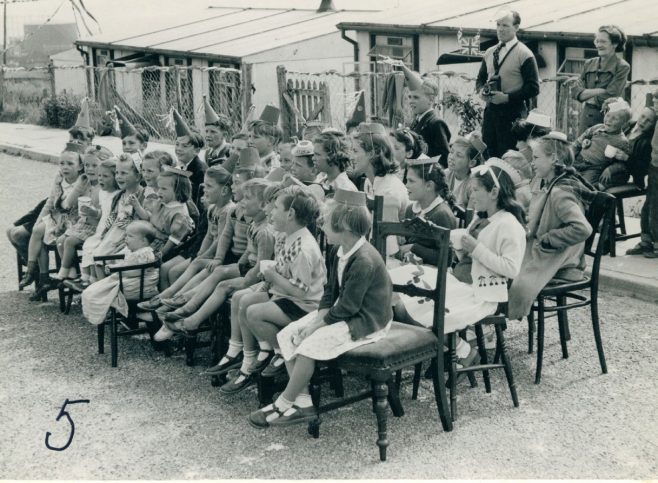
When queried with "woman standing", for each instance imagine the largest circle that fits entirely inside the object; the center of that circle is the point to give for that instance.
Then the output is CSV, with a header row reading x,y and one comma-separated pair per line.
x,y
603,76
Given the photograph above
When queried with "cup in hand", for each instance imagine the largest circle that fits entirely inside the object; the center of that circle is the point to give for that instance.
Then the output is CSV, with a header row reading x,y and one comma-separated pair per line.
x,y
456,237
265,264
610,151
83,201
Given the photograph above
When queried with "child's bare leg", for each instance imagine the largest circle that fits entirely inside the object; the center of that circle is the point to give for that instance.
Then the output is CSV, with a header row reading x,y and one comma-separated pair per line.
x,y
34,248
203,291
300,376
20,239
192,269
209,307
164,272
178,269
69,246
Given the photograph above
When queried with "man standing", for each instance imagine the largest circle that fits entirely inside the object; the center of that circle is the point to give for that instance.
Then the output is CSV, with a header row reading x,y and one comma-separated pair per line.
x,y
508,78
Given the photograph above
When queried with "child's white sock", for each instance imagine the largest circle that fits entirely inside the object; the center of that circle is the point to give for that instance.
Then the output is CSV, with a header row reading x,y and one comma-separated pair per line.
x,y
84,276
234,348
283,404
62,274
73,273
463,348
304,401
249,358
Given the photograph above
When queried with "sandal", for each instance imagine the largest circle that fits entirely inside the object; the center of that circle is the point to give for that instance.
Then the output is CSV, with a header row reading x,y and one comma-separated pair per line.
x,y
235,387
275,367
300,415
258,419
259,366
152,304
219,368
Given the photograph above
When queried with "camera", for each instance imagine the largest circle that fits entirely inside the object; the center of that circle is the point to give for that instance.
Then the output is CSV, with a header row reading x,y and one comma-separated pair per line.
x,y
492,85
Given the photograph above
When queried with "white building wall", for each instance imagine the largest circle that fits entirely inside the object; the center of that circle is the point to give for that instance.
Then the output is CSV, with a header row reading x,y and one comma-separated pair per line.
x,y
644,67
328,52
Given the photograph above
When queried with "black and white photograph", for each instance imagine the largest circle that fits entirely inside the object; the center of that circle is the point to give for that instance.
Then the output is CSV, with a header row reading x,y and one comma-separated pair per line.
x,y
329,240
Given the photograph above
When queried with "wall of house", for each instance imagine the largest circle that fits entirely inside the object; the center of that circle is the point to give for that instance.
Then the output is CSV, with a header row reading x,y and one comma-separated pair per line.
x,y
644,66
328,52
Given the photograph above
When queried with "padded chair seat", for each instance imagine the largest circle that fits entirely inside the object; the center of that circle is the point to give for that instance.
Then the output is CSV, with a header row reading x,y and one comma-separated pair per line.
x,y
404,345
626,191
562,287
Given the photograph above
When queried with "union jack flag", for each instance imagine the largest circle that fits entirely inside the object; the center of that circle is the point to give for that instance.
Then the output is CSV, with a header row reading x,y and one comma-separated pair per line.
x,y
468,45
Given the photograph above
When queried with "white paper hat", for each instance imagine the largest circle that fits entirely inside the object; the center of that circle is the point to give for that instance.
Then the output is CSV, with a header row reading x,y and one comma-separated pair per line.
x,y
539,119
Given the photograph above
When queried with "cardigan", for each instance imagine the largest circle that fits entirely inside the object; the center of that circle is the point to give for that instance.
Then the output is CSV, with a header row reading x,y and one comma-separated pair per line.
x,y
497,256
363,298
440,215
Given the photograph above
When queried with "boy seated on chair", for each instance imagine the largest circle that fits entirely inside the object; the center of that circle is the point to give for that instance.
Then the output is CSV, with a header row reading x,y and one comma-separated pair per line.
x,y
601,151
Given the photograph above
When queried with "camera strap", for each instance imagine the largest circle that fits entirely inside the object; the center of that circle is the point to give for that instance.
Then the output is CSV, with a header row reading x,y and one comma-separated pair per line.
x,y
500,63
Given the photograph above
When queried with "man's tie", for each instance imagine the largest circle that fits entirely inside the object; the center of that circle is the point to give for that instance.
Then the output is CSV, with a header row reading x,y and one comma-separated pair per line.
x,y
496,56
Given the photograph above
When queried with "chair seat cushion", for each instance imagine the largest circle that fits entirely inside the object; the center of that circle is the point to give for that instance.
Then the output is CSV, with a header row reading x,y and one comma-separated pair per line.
x,y
626,191
403,345
562,287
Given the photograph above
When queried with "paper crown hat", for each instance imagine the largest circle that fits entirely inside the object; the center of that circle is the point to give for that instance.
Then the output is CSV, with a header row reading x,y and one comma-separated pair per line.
x,y
359,113
372,128
125,126
248,160
539,119
99,152
74,148
422,160
477,142
181,127
414,80
177,171
350,198
505,166
558,136
303,148
83,120
270,114
211,115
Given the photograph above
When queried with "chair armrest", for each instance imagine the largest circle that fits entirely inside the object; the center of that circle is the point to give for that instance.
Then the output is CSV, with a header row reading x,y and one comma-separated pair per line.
x,y
109,258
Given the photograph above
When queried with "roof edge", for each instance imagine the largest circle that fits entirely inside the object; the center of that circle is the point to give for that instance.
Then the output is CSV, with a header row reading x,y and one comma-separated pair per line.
x,y
167,52
645,40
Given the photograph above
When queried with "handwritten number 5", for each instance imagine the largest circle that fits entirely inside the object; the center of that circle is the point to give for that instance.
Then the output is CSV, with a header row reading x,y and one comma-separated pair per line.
x,y
61,414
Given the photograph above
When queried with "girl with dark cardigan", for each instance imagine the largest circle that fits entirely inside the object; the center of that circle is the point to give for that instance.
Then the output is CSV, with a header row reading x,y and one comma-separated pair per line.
x,y
431,200
355,310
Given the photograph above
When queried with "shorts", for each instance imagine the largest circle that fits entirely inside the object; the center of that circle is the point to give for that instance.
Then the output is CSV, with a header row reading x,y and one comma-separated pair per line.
x,y
290,308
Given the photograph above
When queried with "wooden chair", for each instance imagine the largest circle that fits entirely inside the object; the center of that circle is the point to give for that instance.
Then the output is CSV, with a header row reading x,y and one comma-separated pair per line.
x,y
404,346
621,193
131,323
601,215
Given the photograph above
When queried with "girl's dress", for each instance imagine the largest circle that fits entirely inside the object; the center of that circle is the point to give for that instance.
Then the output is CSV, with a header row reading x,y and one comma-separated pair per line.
x,y
172,221
113,237
557,230
100,296
85,227
61,208
105,199
365,289
495,260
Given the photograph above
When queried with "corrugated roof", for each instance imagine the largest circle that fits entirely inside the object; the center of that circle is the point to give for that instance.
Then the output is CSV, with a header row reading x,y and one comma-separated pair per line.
x,y
233,32
577,17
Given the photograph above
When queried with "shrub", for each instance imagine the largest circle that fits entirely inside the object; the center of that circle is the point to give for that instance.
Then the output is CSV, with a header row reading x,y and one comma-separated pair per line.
x,y
60,111
468,108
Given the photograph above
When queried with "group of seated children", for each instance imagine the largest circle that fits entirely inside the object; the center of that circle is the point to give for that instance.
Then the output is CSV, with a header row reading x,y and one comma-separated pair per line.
x,y
258,217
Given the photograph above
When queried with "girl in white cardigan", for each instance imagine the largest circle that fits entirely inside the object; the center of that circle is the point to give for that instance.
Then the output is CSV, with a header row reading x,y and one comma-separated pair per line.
x,y
495,240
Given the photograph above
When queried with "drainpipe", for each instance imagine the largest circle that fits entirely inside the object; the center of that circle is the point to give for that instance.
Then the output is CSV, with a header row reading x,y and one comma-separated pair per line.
x,y
355,44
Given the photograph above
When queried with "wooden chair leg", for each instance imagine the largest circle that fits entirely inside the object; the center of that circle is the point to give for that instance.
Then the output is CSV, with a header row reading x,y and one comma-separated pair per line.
x,y
190,347
439,383
380,402
612,238
562,326
114,338
61,293
315,391
540,337
19,269
394,398
507,364
452,374
620,215
531,330
100,329
479,334
597,331
337,384
418,368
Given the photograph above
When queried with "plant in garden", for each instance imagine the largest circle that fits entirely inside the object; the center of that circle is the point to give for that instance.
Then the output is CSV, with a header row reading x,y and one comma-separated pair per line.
x,y
468,108
60,111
